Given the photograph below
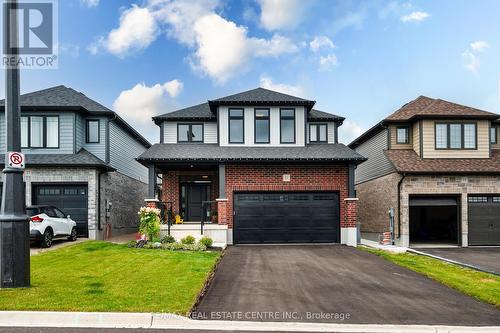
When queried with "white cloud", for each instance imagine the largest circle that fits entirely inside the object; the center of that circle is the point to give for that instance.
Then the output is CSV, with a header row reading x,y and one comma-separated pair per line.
x,y
351,20
479,46
72,50
141,102
416,16
90,3
328,62
349,131
137,30
273,47
321,42
267,82
280,14
471,62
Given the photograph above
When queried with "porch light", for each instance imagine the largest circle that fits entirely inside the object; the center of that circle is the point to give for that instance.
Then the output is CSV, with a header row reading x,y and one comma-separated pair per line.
x,y
204,177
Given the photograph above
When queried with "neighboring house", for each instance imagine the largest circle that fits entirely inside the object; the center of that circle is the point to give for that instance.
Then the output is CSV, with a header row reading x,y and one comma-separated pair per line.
x,y
268,163
80,153
437,164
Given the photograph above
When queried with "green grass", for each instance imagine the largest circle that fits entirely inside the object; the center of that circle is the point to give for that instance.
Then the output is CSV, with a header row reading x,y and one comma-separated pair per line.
x,y
100,276
482,286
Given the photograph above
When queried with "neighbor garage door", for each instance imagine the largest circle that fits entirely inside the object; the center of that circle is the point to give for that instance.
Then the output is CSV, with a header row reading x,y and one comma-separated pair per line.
x,y
484,220
286,218
71,199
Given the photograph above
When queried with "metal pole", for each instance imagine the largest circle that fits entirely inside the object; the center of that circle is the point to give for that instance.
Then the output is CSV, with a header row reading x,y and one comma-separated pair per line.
x,y
14,227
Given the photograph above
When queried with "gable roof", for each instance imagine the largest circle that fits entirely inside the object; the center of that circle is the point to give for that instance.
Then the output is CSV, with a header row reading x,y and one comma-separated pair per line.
x,y
62,98
428,108
197,112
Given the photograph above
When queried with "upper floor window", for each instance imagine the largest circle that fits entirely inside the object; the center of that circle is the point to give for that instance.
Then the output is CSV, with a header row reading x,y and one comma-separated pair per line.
x,y
92,135
493,135
189,132
262,128
318,133
402,135
287,125
40,132
456,136
236,126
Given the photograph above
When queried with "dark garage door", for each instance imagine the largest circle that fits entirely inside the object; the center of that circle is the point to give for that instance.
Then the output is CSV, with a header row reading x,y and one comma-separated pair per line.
x,y
71,199
286,218
484,220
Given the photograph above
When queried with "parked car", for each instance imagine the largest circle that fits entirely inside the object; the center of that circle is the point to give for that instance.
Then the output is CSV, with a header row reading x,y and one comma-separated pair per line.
x,y
48,223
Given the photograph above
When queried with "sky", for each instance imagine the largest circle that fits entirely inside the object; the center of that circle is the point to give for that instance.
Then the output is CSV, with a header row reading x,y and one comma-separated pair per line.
x,y
358,59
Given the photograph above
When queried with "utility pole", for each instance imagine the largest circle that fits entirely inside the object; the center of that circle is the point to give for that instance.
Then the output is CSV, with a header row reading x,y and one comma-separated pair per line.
x,y
14,226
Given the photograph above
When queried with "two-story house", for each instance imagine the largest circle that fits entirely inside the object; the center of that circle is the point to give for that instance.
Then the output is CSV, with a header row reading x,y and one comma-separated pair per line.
x,y
268,164
436,164
80,157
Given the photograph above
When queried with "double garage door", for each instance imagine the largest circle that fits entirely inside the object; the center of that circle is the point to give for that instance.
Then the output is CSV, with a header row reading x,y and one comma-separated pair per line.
x,y
71,199
311,217
484,220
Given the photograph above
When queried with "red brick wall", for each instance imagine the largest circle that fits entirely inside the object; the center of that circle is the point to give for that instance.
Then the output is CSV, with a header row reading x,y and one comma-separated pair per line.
x,y
270,178
351,212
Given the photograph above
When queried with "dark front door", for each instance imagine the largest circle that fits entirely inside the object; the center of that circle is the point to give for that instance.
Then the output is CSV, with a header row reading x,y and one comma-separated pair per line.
x,y
196,194
286,218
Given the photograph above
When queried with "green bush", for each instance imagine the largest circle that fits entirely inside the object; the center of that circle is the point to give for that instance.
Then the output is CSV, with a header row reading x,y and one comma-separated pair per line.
x,y
149,222
206,241
184,247
188,240
167,239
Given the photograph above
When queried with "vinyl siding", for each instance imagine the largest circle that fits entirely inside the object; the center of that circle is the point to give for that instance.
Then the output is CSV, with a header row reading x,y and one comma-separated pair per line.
x,y
170,131
124,149
98,149
300,133
330,135
416,137
394,144
483,144
377,164
66,135
80,132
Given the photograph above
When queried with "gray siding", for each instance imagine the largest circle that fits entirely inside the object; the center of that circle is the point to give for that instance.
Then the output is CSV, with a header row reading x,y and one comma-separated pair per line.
x,y
79,132
124,149
377,164
98,149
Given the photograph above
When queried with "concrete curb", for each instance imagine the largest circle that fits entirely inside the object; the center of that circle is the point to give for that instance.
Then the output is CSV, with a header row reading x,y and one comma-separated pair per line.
x,y
171,321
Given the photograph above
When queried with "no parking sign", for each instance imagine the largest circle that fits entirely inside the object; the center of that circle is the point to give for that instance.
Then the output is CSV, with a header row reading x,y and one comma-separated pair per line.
x,y
16,160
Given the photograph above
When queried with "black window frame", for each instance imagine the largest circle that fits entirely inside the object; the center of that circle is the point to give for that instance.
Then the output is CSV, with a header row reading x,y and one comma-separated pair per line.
x,y
44,132
407,136
87,123
229,118
190,132
494,137
268,118
294,125
462,133
318,125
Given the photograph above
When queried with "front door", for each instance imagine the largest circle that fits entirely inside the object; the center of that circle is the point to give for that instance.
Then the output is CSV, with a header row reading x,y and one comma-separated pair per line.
x,y
196,194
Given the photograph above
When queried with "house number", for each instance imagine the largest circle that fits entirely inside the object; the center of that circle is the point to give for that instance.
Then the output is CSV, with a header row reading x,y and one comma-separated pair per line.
x,y
286,178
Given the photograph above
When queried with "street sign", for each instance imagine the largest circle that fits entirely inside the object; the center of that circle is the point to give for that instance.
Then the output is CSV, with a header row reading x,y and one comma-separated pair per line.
x,y
16,160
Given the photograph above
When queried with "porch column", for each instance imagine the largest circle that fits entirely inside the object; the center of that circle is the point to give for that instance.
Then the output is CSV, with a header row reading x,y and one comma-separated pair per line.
x,y
222,181
151,182
222,200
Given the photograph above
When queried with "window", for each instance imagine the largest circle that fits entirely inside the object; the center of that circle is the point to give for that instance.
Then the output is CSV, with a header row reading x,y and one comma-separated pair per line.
x,y
59,214
40,132
287,125
189,132
262,126
93,129
236,126
402,135
456,136
493,135
318,133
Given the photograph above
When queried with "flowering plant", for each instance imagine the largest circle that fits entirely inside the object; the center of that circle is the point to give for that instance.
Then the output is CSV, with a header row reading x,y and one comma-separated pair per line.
x,y
149,222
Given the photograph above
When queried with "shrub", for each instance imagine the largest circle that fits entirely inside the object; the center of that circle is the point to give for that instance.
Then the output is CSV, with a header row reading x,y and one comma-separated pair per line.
x,y
149,222
188,240
206,241
168,239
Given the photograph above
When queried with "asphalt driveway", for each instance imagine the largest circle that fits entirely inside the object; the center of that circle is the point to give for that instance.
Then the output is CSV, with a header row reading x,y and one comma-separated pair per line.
x,y
332,284
485,258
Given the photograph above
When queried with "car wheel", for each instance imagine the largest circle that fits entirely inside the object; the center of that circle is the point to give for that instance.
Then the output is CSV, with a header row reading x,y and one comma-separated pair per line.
x,y
47,239
72,236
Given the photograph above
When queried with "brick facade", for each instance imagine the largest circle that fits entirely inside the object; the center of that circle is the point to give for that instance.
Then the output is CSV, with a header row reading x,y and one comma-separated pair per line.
x,y
350,212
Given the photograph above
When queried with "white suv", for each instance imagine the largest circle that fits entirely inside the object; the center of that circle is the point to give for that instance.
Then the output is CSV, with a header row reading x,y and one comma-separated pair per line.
x,y
49,222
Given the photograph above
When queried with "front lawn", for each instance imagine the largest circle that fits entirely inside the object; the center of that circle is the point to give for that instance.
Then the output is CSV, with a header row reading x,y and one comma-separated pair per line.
x,y
100,276
482,286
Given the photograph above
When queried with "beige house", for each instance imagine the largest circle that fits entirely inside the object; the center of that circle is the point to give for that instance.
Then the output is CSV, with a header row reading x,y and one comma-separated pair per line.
x,y
436,166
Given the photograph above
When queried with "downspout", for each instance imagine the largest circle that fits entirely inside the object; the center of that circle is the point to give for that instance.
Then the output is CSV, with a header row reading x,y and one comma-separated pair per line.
x,y
99,225
399,204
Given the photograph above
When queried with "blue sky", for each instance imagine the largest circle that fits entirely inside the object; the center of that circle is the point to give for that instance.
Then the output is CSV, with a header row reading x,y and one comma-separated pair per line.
x,y
358,59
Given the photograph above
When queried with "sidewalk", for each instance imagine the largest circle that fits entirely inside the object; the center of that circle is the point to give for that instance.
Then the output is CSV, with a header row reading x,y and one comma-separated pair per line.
x,y
170,321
